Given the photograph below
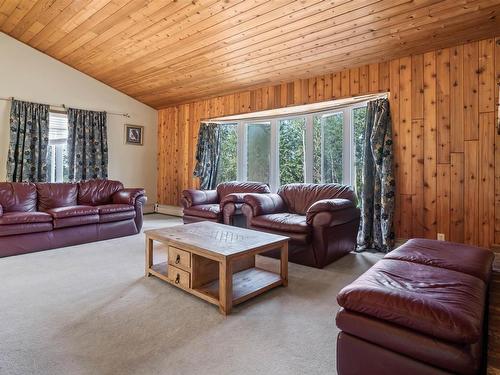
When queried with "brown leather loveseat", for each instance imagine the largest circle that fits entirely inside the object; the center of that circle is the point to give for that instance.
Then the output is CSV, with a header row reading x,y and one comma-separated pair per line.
x,y
209,205
420,310
322,220
43,216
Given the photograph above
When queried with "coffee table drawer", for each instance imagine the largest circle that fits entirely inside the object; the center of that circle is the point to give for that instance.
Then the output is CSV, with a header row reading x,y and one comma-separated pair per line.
x,y
179,277
178,257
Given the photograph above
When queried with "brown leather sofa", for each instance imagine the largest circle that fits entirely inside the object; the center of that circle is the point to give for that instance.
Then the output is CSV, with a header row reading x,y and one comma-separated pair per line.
x,y
420,310
43,216
210,205
322,220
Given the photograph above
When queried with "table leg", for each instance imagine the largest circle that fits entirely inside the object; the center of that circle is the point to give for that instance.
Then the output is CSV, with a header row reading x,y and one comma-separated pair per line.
x,y
149,255
284,264
225,287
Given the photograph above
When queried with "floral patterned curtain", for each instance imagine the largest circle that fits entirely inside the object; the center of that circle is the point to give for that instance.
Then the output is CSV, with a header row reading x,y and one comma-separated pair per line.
x,y
29,139
207,155
378,195
87,145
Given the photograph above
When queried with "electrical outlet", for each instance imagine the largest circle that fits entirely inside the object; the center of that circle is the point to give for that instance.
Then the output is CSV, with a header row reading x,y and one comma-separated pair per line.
x,y
440,237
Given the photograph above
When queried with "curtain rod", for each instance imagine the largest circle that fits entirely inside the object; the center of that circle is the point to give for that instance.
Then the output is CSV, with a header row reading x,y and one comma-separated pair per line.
x,y
65,109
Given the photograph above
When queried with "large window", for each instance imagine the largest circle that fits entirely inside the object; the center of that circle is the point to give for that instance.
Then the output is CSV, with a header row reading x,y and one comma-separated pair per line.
x,y
319,147
57,154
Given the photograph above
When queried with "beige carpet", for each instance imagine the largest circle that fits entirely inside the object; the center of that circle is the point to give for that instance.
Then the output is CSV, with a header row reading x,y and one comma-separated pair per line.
x,y
88,309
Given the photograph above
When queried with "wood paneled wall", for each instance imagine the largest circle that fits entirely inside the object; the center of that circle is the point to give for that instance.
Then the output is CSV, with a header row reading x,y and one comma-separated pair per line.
x,y
443,106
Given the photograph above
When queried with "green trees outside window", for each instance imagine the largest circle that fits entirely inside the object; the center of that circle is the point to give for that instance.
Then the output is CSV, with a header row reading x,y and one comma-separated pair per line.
x,y
228,160
358,119
292,136
258,152
328,136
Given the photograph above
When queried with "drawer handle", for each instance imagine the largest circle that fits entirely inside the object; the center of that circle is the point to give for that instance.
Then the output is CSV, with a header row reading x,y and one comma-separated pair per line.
x,y
178,279
178,259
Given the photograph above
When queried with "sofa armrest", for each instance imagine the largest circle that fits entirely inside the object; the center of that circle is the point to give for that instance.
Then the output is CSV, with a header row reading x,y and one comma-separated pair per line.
x,y
233,198
194,197
330,212
263,204
127,196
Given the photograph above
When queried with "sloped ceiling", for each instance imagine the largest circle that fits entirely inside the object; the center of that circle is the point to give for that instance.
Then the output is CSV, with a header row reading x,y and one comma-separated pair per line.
x,y
166,52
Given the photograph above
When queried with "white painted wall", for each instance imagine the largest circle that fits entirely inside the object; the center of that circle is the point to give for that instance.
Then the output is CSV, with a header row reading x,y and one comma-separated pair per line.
x,y
28,74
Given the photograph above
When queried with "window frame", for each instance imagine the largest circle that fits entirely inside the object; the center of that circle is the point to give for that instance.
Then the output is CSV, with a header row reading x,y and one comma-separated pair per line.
x,y
348,146
56,162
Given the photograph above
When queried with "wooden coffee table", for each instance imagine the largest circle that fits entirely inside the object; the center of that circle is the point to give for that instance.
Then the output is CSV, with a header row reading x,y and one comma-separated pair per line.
x,y
218,263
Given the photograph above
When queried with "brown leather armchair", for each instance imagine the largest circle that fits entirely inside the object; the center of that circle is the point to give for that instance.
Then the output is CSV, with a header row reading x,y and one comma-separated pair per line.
x,y
321,219
210,205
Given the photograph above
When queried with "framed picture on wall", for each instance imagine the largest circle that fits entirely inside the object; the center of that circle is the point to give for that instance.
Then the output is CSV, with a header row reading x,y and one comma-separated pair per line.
x,y
134,134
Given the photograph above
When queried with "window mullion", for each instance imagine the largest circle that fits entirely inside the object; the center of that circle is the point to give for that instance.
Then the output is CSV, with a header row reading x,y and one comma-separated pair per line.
x,y
241,152
309,149
274,167
346,147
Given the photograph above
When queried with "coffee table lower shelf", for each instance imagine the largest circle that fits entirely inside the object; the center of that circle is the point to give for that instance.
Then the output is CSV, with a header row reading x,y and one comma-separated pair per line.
x,y
246,284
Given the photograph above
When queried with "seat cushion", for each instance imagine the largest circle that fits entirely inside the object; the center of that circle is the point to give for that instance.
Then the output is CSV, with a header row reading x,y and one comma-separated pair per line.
x,y
71,211
468,259
284,222
13,229
73,221
207,211
24,218
51,195
18,196
114,208
116,216
438,302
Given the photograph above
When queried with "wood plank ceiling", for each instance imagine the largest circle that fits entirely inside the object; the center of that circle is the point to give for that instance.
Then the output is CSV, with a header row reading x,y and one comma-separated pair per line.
x,y
167,52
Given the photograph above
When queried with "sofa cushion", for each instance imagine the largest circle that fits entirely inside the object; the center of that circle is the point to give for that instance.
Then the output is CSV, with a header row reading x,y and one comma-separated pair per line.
x,y
116,216
285,222
73,221
97,192
51,195
438,302
299,197
207,211
18,196
14,229
72,211
454,256
24,218
114,208
230,187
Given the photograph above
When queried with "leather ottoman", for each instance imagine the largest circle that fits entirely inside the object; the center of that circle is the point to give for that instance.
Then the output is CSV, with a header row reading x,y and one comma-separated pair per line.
x,y
419,310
